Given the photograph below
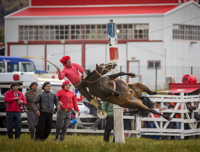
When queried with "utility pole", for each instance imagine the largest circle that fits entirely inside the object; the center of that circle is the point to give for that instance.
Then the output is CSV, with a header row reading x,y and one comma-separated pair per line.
x,y
114,57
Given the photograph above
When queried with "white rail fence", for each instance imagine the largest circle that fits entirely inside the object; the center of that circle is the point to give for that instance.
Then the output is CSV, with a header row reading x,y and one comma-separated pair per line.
x,y
162,130
183,111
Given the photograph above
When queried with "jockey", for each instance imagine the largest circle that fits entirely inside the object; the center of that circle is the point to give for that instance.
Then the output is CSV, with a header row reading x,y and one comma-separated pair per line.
x,y
71,72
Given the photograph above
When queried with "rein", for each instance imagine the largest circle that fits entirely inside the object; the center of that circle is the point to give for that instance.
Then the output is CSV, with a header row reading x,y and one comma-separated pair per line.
x,y
100,74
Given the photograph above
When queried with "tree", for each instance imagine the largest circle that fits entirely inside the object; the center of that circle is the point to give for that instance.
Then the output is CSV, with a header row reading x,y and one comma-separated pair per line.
x,y
1,34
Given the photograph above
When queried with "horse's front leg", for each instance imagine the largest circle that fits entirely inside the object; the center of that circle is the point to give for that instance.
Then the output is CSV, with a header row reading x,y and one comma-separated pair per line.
x,y
114,76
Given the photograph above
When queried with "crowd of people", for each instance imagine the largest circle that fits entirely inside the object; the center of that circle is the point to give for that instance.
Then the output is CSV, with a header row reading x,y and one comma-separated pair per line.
x,y
39,107
171,125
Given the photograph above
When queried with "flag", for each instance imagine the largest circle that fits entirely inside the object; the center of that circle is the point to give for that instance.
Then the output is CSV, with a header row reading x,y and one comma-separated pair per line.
x,y
79,97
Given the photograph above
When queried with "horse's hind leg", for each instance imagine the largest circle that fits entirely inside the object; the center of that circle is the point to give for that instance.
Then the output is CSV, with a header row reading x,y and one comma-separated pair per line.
x,y
137,104
138,88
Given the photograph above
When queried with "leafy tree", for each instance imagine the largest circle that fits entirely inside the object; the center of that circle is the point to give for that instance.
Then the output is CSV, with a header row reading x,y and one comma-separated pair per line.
x,y
1,34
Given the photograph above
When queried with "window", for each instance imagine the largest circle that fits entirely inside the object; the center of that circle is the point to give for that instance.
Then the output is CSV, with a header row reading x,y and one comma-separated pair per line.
x,y
186,32
9,68
153,64
27,67
30,32
102,32
90,32
2,68
76,32
119,27
81,32
15,67
141,31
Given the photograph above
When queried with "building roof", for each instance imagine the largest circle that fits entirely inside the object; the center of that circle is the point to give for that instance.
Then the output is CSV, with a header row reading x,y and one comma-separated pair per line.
x,y
92,11
101,2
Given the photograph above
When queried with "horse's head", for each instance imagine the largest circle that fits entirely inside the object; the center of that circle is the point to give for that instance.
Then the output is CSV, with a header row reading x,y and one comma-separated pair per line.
x,y
105,68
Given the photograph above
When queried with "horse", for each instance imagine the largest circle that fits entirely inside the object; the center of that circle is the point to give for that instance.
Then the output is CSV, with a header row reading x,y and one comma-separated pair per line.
x,y
111,89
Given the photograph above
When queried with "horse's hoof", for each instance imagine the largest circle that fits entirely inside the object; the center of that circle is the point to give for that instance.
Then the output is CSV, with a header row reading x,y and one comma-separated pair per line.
x,y
168,118
134,76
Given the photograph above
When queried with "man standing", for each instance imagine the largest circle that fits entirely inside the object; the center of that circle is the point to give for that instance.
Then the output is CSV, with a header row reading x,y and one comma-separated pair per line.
x,y
46,101
71,72
67,101
32,117
14,99
108,107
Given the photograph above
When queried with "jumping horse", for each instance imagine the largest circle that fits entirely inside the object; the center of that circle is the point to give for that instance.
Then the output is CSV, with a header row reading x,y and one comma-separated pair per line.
x,y
111,89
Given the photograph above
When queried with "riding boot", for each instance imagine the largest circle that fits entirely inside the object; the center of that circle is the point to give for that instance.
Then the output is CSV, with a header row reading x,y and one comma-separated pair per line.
x,y
94,103
32,135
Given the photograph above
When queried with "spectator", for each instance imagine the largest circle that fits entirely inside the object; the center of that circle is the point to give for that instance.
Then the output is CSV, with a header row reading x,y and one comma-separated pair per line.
x,y
32,117
2,118
99,120
73,120
151,123
67,101
177,115
196,115
108,107
126,121
46,101
171,124
14,98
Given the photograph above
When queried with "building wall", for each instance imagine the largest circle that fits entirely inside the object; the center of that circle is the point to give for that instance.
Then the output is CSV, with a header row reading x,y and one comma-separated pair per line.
x,y
178,53
181,54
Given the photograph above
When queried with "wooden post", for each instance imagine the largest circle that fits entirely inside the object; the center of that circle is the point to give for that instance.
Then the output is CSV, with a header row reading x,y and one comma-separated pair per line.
x,y
114,57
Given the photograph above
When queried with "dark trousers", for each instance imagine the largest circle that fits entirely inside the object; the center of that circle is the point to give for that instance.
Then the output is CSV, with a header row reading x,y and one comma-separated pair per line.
x,y
13,119
62,123
32,118
43,128
108,128
152,125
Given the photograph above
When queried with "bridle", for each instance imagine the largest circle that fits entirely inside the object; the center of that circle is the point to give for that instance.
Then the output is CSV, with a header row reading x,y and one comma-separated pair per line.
x,y
103,69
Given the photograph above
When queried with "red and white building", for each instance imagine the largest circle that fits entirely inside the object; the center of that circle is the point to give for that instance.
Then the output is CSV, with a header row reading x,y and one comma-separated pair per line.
x,y
164,33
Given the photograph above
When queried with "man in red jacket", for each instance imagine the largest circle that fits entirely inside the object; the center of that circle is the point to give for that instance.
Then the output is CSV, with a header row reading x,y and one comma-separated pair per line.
x,y
14,99
68,102
71,72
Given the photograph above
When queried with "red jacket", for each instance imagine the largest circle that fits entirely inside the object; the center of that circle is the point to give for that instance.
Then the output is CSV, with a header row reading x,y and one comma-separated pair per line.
x,y
12,104
68,99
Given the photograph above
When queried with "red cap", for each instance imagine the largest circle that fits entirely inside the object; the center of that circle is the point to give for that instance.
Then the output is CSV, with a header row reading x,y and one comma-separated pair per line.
x,y
64,59
65,82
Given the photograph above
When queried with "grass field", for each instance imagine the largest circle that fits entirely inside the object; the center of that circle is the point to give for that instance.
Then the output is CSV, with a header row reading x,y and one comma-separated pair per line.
x,y
83,143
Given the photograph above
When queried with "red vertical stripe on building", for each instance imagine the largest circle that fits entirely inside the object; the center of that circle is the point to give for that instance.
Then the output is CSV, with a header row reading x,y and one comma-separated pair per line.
x,y
127,66
8,49
83,55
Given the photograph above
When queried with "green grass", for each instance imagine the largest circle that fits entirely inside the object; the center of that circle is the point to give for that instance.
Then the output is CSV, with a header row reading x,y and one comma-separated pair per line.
x,y
83,143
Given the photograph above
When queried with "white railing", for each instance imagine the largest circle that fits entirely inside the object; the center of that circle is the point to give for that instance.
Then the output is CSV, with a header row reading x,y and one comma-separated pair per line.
x,y
161,129
75,130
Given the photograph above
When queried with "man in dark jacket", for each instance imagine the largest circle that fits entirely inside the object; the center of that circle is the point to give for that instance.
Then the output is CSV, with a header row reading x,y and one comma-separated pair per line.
x,y
14,99
32,117
46,101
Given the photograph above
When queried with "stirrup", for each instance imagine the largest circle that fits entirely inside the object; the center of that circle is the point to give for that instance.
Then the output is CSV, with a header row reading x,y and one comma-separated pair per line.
x,y
94,103
102,114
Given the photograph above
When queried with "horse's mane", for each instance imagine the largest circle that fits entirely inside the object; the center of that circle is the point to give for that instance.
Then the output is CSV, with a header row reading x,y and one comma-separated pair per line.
x,y
89,73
